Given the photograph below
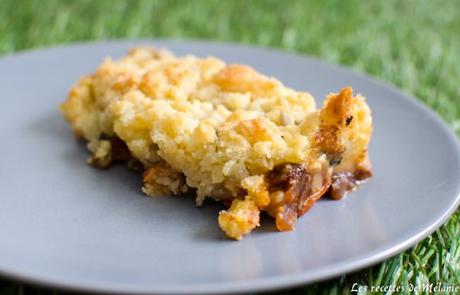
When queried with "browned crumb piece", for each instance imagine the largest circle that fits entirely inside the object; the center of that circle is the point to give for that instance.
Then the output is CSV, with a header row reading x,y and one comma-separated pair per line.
x,y
240,219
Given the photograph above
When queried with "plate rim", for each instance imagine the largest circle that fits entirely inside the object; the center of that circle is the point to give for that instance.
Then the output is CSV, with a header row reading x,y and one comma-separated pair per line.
x,y
275,282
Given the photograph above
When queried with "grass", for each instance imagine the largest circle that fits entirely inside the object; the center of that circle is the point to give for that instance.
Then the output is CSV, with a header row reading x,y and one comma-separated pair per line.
x,y
413,45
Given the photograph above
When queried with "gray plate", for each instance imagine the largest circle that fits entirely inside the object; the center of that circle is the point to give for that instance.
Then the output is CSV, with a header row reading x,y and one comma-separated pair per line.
x,y
65,224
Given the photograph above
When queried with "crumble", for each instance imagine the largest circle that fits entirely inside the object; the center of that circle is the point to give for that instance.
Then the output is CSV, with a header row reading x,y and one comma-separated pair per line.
x,y
225,132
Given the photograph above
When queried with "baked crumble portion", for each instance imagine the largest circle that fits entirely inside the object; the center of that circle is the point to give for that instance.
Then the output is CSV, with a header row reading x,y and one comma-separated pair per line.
x,y
226,132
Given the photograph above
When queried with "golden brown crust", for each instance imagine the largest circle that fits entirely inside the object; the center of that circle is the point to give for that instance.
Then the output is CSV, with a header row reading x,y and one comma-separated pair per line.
x,y
242,79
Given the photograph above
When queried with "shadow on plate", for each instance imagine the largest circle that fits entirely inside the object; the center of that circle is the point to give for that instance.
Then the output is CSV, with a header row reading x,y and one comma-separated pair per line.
x,y
71,154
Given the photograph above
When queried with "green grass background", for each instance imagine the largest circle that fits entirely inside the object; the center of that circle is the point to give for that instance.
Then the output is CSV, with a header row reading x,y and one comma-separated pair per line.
x,y
414,45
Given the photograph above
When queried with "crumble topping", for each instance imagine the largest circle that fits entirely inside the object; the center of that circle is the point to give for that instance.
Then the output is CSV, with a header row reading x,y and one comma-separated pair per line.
x,y
226,132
